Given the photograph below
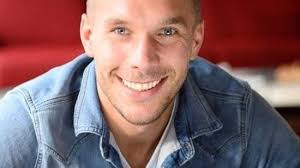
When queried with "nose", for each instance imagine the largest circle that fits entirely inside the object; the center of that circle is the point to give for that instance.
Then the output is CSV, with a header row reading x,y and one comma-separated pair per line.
x,y
144,53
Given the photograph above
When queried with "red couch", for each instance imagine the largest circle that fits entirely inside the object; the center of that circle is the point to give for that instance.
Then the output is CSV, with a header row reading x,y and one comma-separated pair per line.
x,y
37,35
252,33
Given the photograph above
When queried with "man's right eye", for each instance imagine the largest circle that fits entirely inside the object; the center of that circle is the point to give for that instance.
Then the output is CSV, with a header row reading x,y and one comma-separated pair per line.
x,y
121,31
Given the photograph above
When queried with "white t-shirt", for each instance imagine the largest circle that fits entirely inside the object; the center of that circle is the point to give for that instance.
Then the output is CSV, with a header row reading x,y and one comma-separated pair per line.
x,y
168,144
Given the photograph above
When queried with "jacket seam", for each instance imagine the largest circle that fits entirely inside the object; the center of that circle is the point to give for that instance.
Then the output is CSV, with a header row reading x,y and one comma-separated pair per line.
x,y
224,98
90,129
76,146
221,148
73,150
57,99
219,93
244,116
32,110
45,107
235,138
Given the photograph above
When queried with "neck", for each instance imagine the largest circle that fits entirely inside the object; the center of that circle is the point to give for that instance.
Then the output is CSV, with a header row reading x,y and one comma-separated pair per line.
x,y
135,141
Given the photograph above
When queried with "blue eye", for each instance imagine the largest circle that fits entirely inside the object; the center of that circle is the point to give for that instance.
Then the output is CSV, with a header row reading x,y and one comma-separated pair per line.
x,y
121,30
168,31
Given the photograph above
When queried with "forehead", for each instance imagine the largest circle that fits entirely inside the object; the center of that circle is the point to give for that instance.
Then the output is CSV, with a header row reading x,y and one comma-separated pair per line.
x,y
140,10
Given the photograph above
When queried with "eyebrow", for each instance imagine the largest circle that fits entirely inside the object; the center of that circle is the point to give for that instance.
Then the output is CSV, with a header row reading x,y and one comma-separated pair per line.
x,y
115,22
176,21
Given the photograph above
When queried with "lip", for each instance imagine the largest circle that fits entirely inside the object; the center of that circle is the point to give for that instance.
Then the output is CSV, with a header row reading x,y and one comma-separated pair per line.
x,y
135,95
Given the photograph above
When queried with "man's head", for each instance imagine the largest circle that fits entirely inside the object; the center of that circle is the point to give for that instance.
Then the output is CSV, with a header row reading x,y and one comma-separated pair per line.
x,y
141,49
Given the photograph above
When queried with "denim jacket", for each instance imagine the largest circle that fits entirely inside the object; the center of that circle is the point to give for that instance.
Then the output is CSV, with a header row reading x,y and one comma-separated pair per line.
x,y
55,121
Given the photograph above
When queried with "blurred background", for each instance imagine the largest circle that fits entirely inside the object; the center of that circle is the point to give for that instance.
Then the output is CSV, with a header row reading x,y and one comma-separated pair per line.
x,y
257,41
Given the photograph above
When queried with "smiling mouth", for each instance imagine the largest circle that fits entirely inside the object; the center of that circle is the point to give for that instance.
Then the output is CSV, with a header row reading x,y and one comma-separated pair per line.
x,y
140,87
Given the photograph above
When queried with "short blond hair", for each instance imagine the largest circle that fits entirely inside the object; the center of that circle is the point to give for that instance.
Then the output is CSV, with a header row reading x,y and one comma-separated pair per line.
x,y
197,9
196,6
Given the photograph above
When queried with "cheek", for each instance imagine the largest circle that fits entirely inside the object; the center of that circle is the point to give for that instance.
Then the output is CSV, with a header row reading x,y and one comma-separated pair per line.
x,y
178,57
108,54
177,54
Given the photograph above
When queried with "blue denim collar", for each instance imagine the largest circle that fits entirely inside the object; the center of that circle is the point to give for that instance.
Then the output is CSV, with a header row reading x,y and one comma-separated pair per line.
x,y
194,112
88,117
194,117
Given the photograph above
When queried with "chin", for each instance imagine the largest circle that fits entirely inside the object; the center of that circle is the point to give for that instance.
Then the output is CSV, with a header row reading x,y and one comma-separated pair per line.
x,y
141,116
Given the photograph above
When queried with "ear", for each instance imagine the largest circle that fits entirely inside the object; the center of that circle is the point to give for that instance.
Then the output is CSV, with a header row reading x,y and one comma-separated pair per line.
x,y
198,38
85,34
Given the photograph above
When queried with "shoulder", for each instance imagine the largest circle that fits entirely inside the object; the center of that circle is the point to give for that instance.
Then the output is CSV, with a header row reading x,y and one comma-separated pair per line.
x,y
225,98
25,111
58,82
269,137
17,134
212,80
250,123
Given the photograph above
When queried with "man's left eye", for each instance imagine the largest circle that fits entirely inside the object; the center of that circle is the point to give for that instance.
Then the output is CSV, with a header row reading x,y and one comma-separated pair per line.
x,y
121,31
168,31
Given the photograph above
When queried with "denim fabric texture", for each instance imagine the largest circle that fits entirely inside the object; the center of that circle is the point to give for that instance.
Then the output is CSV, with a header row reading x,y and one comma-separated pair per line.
x,y
55,121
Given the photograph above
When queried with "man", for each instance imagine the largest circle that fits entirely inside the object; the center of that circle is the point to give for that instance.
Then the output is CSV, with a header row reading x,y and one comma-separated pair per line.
x,y
139,97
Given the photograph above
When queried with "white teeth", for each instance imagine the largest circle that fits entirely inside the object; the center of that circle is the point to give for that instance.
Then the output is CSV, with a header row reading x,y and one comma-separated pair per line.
x,y
140,86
